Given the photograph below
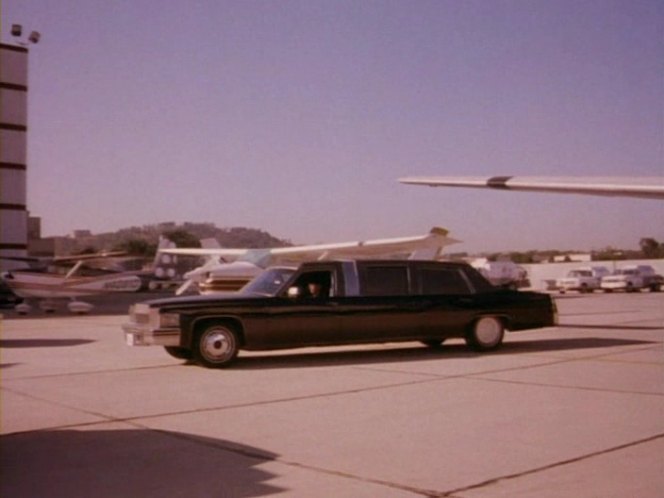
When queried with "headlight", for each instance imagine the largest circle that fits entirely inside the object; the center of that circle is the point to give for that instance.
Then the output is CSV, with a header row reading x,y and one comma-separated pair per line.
x,y
169,320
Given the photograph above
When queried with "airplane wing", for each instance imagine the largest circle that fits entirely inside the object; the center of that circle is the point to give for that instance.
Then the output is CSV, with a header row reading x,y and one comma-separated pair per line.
x,y
94,256
435,240
641,187
35,262
226,254
421,247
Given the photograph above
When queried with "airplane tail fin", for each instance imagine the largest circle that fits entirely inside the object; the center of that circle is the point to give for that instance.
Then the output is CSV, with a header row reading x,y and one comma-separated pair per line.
x,y
193,277
165,265
442,235
439,231
439,239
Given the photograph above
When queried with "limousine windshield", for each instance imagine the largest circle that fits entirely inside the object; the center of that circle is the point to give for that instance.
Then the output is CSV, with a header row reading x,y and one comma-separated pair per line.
x,y
268,282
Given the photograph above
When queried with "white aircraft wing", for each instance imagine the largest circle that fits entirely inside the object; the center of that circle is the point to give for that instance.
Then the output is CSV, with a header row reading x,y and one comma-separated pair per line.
x,y
423,246
226,254
641,187
435,240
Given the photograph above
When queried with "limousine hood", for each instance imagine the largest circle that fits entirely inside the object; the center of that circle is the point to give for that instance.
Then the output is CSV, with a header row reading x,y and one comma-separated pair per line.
x,y
202,300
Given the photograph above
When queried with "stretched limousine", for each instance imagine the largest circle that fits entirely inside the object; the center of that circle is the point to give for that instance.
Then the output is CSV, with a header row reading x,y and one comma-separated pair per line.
x,y
328,303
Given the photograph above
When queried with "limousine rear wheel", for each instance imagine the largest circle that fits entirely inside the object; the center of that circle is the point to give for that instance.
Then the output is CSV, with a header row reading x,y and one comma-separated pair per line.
x,y
216,345
485,334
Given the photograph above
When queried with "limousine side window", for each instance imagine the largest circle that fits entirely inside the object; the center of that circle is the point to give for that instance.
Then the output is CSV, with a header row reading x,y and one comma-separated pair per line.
x,y
443,281
385,281
315,284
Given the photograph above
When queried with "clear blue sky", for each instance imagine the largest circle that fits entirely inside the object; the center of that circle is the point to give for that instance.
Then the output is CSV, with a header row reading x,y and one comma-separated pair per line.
x,y
297,117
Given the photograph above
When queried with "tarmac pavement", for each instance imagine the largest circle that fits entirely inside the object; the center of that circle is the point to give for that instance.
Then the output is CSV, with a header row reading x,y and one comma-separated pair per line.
x,y
575,410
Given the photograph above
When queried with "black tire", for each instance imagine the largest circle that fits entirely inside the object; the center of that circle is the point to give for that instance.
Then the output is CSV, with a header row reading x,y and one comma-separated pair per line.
x,y
179,353
216,345
433,343
485,334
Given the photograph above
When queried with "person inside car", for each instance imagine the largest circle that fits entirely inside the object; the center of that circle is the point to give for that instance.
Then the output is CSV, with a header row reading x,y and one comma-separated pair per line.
x,y
315,290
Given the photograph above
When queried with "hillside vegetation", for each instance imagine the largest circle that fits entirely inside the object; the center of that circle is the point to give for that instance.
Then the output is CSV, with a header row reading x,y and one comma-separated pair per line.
x,y
144,240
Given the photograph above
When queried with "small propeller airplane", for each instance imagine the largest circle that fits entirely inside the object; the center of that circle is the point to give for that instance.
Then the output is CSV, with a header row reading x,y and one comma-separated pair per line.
x,y
640,187
68,277
227,270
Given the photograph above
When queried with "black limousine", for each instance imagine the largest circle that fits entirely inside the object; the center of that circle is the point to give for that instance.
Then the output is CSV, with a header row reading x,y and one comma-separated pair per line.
x,y
327,303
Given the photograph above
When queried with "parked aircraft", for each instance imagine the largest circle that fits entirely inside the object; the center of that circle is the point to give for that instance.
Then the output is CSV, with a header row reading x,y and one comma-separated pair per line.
x,y
230,269
68,277
641,187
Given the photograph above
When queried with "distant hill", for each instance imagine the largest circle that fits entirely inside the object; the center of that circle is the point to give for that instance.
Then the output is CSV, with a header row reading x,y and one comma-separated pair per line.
x,y
184,234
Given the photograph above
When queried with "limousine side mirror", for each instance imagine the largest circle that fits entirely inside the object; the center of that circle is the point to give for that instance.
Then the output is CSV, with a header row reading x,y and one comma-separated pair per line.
x,y
293,292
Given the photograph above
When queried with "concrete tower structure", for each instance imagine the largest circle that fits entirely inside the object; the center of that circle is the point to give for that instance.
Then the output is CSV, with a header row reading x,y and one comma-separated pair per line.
x,y
13,151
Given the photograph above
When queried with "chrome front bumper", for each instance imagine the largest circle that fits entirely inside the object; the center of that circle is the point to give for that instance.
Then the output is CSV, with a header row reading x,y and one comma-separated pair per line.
x,y
135,335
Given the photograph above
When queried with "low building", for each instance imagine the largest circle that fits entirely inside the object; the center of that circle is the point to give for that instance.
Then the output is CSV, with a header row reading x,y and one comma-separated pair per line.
x,y
573,258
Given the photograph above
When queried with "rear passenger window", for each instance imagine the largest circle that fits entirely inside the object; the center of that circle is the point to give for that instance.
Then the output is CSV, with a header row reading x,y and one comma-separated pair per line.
x,y
386,281
442,281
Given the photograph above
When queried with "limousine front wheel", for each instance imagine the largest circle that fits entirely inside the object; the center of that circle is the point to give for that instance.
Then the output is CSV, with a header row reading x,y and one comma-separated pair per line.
x,y
216,346
485,334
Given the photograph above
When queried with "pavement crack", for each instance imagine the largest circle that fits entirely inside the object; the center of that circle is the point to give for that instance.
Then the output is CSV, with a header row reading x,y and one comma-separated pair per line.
x,y
543,468
562,386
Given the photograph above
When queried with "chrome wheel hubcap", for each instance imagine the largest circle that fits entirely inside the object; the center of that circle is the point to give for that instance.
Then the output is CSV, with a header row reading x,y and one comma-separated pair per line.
x,y
217,345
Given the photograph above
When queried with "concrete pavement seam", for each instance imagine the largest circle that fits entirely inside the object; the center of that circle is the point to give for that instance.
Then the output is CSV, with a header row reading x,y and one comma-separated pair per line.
x,y
562,386
108,418
261,456
452,493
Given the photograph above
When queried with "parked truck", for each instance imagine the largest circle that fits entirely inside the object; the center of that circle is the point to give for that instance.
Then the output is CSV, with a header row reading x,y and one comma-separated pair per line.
x,y
633,278
584,279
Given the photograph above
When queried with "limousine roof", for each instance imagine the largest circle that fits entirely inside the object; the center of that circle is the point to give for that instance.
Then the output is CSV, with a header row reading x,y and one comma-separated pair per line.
x,y
391,262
